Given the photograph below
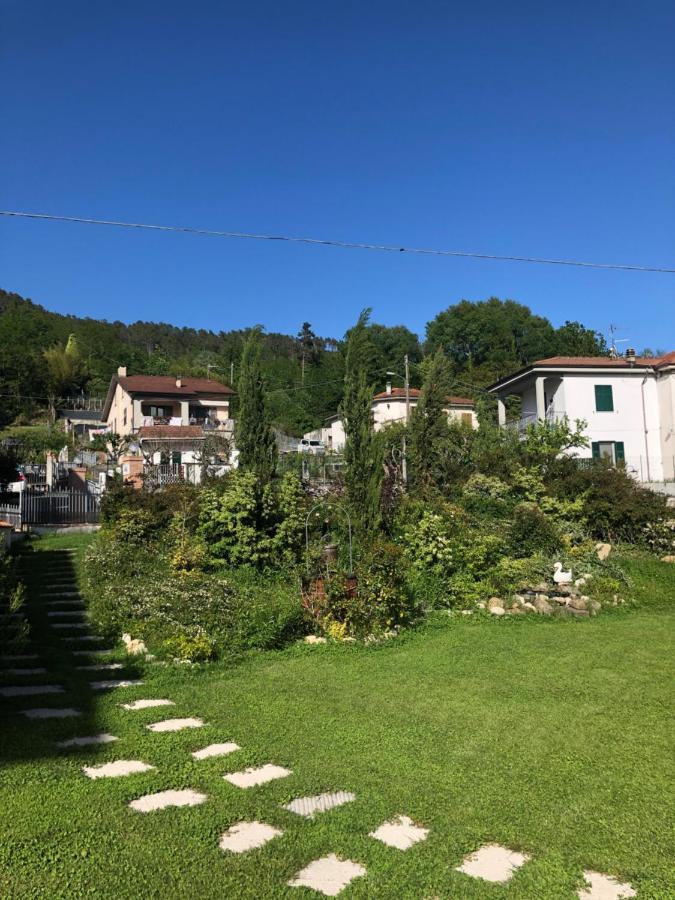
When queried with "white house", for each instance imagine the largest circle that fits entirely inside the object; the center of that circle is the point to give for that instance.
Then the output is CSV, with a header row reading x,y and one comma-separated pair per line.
x,y
628,404
388,407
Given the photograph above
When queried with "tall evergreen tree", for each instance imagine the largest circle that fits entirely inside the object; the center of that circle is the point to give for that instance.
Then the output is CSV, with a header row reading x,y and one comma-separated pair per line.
x,y
253,433
363,475
429,425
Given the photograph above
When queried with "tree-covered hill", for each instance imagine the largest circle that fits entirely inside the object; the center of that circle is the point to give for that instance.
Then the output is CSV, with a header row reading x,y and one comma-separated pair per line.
x,y
304,373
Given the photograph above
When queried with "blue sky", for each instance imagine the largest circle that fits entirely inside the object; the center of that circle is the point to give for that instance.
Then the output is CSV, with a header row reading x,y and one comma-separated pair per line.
x,y
511,128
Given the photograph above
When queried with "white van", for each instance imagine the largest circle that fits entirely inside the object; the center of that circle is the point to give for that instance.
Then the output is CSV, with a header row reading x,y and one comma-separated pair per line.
x,y
305,445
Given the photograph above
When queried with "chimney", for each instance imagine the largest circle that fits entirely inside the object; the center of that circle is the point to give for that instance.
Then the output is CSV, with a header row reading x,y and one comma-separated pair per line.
x,y
388,387
122,372
179,381
630,356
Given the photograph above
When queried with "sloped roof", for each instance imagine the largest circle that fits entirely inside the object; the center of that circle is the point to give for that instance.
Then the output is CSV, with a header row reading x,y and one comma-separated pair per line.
x,y
620,363
166,384
399,394
172,432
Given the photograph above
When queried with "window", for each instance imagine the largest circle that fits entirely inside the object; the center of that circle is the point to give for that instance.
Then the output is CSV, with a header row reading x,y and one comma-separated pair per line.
x,y
612,451
125,415
157,412
604,401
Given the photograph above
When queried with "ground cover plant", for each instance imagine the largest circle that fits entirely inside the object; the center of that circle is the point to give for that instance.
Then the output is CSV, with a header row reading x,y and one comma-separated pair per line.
x,y
545,736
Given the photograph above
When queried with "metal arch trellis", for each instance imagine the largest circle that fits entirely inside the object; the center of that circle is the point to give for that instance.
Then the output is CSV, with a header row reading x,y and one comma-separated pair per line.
x,y
331,506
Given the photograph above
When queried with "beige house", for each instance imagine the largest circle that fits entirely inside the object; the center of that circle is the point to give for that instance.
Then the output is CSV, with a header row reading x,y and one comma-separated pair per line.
x,y
387,407
169,418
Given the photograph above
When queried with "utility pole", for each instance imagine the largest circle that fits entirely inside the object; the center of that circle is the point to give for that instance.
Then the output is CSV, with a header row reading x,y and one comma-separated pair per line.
x,y
404,459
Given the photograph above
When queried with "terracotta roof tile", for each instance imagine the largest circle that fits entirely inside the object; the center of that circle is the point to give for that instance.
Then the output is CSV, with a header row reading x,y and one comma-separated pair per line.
x,y
166,384
170,431
399,393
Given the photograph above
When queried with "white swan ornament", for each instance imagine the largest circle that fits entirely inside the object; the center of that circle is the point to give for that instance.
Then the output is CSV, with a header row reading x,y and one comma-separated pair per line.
x,y
559,576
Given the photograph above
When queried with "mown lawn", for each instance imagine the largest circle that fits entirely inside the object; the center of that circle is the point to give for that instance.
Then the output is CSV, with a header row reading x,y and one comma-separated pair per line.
x,y
551,737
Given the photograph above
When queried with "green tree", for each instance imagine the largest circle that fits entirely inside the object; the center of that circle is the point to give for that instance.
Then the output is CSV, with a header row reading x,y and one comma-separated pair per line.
x,y
308,347
429,426
66,370
253,433
574,339
493,337
363,475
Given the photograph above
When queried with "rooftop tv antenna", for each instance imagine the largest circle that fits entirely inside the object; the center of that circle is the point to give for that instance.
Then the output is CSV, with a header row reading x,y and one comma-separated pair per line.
x,y
613,351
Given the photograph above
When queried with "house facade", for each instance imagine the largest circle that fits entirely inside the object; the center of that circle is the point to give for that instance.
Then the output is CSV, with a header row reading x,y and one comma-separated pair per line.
x,y
628,404
168,418
388,407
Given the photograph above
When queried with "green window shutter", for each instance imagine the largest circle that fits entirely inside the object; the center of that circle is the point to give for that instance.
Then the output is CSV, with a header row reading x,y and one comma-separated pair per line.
x,y
595,449
618,451
604,401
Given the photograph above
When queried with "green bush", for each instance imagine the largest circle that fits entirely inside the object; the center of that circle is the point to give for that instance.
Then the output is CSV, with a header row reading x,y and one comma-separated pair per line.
x,y
532,531
614,506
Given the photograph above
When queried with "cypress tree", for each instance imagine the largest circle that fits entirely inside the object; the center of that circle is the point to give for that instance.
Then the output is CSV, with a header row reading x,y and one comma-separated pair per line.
x,y
429,442
253,432
363,472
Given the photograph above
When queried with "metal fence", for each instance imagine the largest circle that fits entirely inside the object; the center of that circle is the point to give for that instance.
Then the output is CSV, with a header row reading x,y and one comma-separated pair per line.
x,y
49,508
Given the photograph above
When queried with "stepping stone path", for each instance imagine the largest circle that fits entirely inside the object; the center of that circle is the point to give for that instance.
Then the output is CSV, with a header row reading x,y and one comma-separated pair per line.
x,y
247,836
19,657
117,769
401,833
47,713
604,887
152,802
309,806
100,667
215,750
493,863
115,683
32,690
328,875
26,671
147,704
253,777
175,725
90,741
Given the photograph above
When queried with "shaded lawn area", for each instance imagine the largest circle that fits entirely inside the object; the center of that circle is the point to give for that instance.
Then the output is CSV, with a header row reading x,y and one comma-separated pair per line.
x,y
551,737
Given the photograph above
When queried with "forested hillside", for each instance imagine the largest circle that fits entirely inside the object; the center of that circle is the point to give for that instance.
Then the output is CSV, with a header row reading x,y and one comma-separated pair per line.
x,y
304,372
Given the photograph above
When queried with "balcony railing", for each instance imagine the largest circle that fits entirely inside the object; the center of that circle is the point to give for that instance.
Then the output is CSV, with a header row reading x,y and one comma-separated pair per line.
x,y
207,424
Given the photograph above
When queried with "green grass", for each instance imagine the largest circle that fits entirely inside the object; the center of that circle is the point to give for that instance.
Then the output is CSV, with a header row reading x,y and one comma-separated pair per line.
x,y
551,737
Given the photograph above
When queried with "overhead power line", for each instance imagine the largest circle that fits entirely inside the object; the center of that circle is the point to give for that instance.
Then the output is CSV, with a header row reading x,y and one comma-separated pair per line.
x,y
348,245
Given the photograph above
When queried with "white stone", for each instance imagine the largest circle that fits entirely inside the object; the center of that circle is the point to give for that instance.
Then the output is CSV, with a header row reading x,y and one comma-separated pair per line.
x,y
314,639
253,777
215,750
309,806
604,887
117,769
493,863
84,637
114,683
328,875
19,657
400,832
32,690
175,725
69,624
64,713
26,671
147,704
89,741
497,611
247,836
100,667
152,802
